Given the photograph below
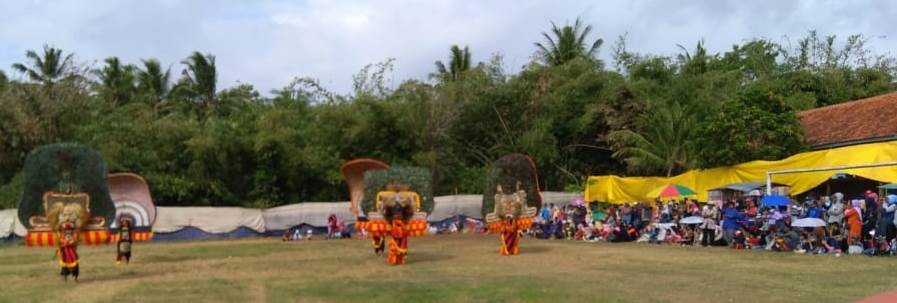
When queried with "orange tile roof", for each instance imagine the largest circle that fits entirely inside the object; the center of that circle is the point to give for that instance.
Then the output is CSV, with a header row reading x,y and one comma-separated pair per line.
x,y
851,122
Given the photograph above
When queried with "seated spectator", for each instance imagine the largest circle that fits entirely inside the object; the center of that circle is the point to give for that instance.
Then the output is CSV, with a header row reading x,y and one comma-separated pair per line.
x,y
739,240
791,237
753,241
689,237
672,236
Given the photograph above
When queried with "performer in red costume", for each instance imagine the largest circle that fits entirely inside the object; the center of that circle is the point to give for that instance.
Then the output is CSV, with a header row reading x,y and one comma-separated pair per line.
x,y
67,250
510,236
125,237
398,243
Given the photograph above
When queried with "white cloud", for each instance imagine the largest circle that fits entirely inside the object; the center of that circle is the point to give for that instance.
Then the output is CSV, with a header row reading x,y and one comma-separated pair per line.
x,y
267,43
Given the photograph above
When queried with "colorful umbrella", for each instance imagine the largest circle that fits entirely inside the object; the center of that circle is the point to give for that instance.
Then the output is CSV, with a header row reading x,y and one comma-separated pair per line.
x,y
671,190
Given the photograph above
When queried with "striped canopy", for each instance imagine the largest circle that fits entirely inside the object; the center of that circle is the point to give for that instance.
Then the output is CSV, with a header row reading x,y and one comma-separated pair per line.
x,y
671,190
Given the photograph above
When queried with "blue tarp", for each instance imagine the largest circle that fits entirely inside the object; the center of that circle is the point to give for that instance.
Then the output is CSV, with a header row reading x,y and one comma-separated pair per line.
x,y
193,233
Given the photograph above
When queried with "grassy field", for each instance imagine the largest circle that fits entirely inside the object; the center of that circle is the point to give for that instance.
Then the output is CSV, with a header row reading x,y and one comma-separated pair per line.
x,y
440,268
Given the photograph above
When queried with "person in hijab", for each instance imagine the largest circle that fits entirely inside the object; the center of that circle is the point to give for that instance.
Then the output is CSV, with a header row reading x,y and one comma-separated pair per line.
x,y
886,223
871,213
709,225
854,217
796,210
836,211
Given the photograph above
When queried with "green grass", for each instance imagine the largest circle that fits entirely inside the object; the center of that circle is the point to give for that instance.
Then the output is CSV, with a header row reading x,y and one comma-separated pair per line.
x,y
460,268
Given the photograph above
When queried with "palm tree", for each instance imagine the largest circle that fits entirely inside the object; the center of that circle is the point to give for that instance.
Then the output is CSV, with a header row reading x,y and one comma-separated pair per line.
x,y
116,81
153,82
664,145
459,63
567,43
46,69
199,79
694,63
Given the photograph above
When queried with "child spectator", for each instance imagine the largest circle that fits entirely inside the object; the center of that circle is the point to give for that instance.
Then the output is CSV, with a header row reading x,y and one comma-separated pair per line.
x,y
739,239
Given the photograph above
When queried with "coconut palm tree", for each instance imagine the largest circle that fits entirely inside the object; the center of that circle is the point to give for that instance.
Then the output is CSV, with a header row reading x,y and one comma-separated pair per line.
x,y
46,69
199,79
567,43
459,63
152,81
117,81
664,145
697,62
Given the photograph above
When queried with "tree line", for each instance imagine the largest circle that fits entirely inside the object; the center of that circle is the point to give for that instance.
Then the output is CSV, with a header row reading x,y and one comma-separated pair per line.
x,y
573,113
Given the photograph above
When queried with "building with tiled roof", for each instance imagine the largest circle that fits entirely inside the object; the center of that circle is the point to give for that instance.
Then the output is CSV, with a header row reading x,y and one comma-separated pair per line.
x,y
856,122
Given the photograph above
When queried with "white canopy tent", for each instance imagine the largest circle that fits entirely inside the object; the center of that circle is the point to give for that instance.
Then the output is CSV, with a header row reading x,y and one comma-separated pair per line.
x,y
10,224
208,219
228,219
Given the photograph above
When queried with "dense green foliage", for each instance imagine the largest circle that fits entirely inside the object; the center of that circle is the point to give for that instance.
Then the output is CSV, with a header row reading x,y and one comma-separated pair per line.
x,y
416,178
507,171
65,167
198,144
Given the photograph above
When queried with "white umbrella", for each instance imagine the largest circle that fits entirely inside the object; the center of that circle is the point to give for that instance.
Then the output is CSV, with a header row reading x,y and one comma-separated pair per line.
x,y
808,222
692,220
665,225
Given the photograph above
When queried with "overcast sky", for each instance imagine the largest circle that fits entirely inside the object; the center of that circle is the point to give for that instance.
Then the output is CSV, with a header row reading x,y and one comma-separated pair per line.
x,y
268,43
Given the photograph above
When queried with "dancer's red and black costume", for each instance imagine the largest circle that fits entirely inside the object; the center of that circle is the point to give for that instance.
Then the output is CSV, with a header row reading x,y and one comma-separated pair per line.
x,y
67,251
125,240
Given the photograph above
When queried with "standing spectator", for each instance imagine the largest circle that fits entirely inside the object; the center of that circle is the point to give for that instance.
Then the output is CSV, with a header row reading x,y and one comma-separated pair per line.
x,y
709,225
665,216
579,212
332,226
556,213
826,205
886,223
854,217
796,210
813,211
751,209
870,210
836,211
730,222
693,209
545,213
626,214
637,215
647,215
778,217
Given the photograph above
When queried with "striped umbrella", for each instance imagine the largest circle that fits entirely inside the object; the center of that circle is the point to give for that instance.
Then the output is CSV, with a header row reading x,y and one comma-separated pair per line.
x,y
671,190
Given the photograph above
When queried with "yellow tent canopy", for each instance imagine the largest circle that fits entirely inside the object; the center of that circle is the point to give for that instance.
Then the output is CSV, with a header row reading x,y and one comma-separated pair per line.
x,y
615,189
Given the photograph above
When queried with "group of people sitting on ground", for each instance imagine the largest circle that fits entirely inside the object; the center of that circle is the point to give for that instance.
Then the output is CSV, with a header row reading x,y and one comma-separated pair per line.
x,y
336,229
864,225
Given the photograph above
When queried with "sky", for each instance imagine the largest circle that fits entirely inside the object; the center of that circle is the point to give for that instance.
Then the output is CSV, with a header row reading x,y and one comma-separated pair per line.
x,y
268,43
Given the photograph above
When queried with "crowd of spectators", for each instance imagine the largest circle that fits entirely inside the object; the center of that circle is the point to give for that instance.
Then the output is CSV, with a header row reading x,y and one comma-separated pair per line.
x,y
863,225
